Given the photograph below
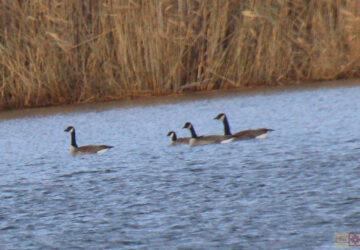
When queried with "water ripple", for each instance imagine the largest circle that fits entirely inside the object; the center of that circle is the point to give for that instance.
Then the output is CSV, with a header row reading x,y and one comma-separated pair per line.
x,y
293,190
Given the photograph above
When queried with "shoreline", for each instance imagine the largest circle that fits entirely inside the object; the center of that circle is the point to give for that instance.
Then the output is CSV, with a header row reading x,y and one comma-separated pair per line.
x,y
150,100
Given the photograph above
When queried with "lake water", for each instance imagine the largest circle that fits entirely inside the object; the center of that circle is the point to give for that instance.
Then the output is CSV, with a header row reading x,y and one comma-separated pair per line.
x,y
295,189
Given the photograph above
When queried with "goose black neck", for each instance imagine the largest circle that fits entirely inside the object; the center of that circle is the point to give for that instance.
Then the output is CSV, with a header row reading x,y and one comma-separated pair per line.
x,y
73,140
226,127
193,133
173,137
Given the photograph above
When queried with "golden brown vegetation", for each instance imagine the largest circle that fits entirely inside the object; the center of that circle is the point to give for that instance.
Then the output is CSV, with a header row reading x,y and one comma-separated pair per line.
x,y
68,51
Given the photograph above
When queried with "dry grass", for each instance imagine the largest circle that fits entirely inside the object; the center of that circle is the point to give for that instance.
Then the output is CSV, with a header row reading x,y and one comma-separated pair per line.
x,y
69,51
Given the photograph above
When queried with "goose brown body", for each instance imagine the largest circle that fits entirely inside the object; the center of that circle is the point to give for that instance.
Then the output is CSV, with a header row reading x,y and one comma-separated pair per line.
x,y
90,149
259,133
205,139
84,150
178,141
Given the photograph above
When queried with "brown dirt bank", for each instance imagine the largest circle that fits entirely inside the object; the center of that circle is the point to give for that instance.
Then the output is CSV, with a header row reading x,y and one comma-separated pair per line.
x,y
69,51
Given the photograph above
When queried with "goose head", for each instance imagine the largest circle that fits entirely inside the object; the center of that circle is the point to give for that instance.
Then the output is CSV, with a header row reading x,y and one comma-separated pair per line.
x,y
188,125
220,116
70,129
172,134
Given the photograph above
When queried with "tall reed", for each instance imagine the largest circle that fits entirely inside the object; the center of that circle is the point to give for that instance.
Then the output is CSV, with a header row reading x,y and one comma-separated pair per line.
x,y
70,51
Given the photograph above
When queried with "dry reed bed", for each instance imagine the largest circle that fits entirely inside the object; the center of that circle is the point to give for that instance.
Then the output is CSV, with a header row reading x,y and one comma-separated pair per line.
x,y
70,51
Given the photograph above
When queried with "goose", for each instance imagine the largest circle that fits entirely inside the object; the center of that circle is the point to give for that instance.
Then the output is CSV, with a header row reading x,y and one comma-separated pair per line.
x,y
203,140
83,150
177,141
261,133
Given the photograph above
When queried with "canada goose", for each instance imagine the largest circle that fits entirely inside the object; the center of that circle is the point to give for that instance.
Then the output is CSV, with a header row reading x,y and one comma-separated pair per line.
x,y
260,133
177,141
89,149
203,140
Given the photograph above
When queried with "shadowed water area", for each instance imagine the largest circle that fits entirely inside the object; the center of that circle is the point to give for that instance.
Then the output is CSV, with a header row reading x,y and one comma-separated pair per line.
x,y
293,190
